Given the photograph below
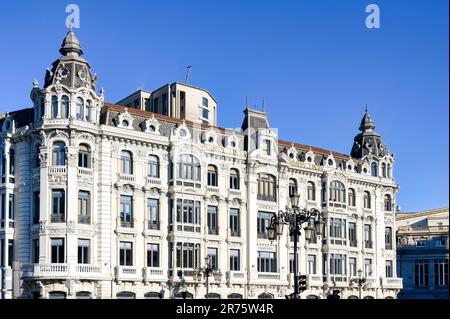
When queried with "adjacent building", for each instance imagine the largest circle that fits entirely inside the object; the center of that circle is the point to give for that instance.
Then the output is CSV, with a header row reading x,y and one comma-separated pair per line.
x,y
111,201
422,254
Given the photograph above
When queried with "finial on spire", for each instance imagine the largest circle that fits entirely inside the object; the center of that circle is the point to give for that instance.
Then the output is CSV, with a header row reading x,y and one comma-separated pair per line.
x,y
246,102
263,106
35,83
366,109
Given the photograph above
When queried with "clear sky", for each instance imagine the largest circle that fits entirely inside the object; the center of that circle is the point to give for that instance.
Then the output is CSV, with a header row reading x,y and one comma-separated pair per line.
x,y
315,63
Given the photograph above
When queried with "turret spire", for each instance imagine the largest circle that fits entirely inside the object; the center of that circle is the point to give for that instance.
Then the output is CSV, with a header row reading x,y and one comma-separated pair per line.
x,y
71,45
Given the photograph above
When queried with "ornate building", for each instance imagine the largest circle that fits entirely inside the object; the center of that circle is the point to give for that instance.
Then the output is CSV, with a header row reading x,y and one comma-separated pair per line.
x,y
107,201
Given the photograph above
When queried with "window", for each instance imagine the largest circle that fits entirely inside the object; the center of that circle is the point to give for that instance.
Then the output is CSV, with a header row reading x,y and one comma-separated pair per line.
x,y
387,203
204,110
125,295
351,197
188,212
152,295
383,169
152,255
367,203
83,251
311,188
312,264
234,179
59,153
421,272
293,189
263,223
84,207
212,254
153,166
126,211
388,238
37,161
188,255
266,187
389,269
337,264
189,168
352,234
267,261
84,156
352,266
35,251
11,208
374,169
153,213
11,162
58,206
57,295
235,227
368,267
182,104
126,253
441,272
212,220
65,106
368,236
126,162
267,145
88,110
57,250
389,171
54,106
10,252
337,192
83,295
80,108
235,260
212,175
3,163
337,228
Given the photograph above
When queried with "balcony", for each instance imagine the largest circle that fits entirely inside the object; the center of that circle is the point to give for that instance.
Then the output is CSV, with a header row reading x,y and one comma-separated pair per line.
x,y
59,170
368,244
234,192
153,180
395,283
235,233
57,271
84,219
127,273
57,218
212,189
153,225
127,178
154,274
269,276
213,231
127,224
266,198
82,171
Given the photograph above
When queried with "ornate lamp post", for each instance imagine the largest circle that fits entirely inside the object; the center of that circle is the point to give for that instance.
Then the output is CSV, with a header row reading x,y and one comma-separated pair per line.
x,y
360,281
295,218
207,270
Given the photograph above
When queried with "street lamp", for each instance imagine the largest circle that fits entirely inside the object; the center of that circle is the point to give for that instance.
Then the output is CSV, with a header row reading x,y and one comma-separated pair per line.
x,y
207,270
360,281
295,218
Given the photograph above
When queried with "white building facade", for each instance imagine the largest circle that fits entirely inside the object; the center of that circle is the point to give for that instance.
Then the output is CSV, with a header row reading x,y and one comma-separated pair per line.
x,y
104,201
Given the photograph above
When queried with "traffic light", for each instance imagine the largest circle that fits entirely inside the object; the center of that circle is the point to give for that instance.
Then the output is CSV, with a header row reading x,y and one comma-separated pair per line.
x,y
302,283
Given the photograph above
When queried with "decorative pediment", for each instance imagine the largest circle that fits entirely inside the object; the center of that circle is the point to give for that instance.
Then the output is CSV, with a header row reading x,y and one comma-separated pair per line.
x,y
182,132
151,125
210,137
292,153
124,120
350,164
232,141
329,161
310,156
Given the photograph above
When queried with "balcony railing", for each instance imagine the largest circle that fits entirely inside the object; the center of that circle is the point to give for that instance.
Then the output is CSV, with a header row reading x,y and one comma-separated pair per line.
x,y
153,180
127,224
235,276
61,270
213,231
57,169
57,218
267,198
153,226
151,273
127,178
368,244
84,219
82,171
268,276
235,233
127,273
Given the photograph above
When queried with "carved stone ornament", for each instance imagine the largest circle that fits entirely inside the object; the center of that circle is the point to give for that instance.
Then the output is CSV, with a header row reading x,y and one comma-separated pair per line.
x,y
151,125
42,226
125,120
70,227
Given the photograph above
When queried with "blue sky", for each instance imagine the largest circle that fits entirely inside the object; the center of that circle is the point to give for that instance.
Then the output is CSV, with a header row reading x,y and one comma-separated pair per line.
x,y
314,62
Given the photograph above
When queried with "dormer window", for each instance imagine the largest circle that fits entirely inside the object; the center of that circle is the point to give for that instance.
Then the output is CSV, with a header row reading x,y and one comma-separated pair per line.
x,y
374,169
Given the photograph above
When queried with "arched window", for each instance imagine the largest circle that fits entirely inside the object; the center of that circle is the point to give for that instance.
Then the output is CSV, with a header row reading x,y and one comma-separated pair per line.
x,y
311,191
352,297
337,192
212,175
212,295
84,156
351,197
293,189
387,203
189,167
11,162
59,153
234,296
80,108
367,203
383,170
54,106
389,171
374,169
65,106
184,295
266,187
57,295
88,110
234,179
265,296
312,297
153,166
152,295
126,162
125,295
83,295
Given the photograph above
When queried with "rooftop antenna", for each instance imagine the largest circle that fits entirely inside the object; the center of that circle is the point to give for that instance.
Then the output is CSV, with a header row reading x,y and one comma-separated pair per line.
x,y
246,102
187,73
